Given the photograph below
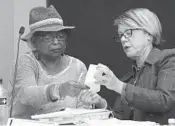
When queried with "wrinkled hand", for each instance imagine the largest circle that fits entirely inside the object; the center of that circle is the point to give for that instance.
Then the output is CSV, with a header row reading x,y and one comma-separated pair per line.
x,y
70,88
90,98
106,77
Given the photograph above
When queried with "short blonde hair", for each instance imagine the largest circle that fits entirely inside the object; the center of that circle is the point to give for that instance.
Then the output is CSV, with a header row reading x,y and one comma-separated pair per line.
x,y
142,18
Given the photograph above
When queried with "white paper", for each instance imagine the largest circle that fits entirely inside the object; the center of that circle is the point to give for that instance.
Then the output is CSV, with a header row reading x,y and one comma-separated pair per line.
x,y
90,80
69,112
73,115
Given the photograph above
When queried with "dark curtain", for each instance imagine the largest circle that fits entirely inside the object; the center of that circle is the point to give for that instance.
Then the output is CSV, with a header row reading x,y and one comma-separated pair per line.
x,y
92,40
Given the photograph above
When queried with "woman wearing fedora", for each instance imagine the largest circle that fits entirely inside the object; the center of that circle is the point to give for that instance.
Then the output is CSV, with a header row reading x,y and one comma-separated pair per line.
x,y
47,79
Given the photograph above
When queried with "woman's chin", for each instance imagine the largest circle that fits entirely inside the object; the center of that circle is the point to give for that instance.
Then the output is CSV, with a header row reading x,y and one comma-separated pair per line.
x,y
56,54
130,55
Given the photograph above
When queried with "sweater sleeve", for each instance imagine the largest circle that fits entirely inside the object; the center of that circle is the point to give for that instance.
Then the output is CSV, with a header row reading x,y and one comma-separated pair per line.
x,y
26,89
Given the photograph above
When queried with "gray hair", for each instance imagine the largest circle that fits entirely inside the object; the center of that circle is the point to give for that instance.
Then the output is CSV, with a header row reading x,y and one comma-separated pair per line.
x,y
142,18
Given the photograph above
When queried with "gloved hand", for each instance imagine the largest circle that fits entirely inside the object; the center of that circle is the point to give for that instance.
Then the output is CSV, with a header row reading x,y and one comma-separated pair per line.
x,y
70,88
91,98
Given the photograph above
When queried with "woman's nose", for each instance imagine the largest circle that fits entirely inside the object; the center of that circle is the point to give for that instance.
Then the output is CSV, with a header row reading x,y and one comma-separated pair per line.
x,y
123,39
56,41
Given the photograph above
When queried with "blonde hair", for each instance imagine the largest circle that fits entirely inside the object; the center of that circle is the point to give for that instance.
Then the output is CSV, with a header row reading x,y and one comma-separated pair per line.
x,y
142,18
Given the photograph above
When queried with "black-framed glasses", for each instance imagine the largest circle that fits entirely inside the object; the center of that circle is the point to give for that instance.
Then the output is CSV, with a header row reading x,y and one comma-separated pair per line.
x,y
50,36
127,33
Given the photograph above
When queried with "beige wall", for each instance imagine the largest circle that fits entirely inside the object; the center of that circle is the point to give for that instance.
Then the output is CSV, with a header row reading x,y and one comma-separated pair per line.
x,y
14,14
21,18
6,39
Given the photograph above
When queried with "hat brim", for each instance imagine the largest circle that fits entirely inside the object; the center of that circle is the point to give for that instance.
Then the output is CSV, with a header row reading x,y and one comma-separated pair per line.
x,y
28,36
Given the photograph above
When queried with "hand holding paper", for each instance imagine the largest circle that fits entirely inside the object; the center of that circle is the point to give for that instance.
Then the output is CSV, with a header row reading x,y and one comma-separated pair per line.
x,y
104,76
101,75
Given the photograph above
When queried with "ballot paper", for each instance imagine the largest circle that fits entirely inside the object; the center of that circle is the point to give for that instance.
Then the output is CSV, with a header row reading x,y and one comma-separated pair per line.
x,y
75,116
90,80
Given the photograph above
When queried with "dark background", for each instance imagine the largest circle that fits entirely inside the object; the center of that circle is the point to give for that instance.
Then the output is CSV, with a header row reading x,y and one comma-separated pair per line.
x,y
92,40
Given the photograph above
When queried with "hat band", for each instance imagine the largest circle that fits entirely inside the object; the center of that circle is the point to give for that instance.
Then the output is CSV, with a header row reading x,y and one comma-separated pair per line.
x,y
46,22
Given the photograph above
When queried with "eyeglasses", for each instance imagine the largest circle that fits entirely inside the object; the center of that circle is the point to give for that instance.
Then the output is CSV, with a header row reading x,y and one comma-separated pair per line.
x,y
127,33
50,36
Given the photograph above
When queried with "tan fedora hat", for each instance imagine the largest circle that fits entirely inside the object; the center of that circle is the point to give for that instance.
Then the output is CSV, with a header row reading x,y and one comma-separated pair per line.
x,y
44,19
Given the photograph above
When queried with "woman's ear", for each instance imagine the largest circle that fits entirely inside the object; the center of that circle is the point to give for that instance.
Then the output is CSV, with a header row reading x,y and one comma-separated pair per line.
x,y
150,38
33,43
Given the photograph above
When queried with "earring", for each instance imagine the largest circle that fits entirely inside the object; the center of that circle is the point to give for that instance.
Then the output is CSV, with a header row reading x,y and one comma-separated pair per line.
x,y
62,54
150,38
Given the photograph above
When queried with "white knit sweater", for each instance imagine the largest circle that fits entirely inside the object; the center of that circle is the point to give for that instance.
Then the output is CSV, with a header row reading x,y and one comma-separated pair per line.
x,y
32,82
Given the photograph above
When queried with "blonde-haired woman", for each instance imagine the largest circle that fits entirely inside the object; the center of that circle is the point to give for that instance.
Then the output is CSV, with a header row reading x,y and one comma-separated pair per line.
x,y
147,93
